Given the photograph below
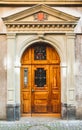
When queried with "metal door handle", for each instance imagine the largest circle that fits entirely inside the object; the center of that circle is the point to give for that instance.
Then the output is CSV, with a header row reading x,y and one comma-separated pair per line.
x,y
32,90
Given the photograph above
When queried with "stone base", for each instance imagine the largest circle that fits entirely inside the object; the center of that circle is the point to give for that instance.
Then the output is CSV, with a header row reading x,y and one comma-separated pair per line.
x,y
13,112
68,111
64,111
17,112
71,112
79,113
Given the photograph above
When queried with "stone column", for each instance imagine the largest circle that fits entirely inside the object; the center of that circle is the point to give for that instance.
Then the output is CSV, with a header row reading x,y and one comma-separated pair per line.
x,y
11,101
64,91
17,86
70,76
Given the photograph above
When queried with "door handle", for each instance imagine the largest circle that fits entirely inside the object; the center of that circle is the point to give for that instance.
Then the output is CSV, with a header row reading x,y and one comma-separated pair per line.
x,y
32,90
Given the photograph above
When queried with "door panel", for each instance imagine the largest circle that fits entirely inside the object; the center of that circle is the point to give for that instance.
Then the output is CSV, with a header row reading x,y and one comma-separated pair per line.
x,y
40,93
55,88
54,57
26,57
26,89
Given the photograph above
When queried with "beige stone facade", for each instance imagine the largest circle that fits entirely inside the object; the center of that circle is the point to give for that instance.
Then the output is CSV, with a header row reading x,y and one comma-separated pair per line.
x,y
62,29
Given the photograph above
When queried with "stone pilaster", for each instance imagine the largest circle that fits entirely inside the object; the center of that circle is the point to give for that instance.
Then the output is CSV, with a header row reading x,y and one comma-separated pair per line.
x,y
71,108
11,101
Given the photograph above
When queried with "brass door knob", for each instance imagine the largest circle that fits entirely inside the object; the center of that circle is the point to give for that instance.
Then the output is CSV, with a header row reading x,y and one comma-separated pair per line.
x,y
32,90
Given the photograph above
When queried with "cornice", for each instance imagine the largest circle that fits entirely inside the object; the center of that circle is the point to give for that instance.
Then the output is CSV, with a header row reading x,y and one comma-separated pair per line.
x,y
34,2
46,27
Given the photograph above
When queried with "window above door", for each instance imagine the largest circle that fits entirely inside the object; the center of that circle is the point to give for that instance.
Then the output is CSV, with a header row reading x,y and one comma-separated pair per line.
x,y
40,53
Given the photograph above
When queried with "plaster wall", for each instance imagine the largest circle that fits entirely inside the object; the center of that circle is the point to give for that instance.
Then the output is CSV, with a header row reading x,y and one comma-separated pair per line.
x,y
3,76
78,76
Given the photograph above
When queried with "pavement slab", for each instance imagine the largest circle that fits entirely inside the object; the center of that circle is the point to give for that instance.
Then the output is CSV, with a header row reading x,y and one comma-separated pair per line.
x,y
38,123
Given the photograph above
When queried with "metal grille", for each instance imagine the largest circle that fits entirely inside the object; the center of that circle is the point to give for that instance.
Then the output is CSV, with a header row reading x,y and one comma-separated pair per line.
x,y
40,77
40,52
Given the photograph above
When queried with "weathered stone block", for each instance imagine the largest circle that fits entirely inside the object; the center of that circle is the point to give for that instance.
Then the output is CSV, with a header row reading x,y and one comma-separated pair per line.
x,y
79,113
17,112
13,112
64,111
10,112
71,112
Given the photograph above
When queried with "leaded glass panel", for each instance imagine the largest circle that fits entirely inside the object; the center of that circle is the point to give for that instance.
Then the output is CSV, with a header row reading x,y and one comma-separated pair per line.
x,y
25,77
40,77
40,52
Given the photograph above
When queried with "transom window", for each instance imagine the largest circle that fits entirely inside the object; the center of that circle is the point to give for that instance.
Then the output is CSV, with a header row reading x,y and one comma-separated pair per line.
x,y
40,52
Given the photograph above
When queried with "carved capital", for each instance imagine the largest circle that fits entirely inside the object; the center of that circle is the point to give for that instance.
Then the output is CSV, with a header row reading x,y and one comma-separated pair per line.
x,y
70,35
11,35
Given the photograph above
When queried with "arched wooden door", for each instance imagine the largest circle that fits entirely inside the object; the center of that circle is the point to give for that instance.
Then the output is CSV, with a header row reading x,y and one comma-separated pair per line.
x,y
40,81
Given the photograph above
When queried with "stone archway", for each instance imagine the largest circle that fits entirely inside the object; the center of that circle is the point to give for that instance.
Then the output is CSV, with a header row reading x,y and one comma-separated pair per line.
x,y
63,68
63,50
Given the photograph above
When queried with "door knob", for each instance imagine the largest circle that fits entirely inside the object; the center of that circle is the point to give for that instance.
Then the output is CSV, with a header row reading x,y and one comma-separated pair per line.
x,y
32,90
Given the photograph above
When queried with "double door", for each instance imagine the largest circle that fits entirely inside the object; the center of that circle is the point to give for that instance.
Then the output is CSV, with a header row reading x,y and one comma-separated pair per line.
x,y
40,89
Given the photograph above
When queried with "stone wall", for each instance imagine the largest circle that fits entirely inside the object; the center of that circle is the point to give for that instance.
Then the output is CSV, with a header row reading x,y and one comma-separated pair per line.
x,y
78,76
3,76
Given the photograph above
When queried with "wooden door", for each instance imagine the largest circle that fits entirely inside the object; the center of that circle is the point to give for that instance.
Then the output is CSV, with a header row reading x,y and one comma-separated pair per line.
x,y
40,81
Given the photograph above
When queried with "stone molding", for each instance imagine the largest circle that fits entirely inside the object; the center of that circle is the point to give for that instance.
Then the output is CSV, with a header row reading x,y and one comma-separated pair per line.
x,y
11,36
70,35
40,27
48,2
40,8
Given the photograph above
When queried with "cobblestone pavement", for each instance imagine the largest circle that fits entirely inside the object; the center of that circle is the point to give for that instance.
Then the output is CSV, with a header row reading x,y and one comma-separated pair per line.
x,y
38,123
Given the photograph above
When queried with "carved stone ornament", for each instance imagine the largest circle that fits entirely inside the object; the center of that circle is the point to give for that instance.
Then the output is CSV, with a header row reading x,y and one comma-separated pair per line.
x,y
40,18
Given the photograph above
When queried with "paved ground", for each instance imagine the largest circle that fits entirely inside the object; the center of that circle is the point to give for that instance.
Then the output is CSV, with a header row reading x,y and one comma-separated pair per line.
x,y
40,123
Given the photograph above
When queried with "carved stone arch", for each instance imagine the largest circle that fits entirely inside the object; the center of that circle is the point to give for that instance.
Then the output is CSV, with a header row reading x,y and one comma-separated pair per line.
x,y
49,40
51,70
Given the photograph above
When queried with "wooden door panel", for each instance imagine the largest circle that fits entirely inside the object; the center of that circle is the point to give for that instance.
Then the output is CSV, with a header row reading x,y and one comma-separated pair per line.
x,y
26,89
54,57
40,105
55,88
26,95
55,95
40,94
26,102
40,109
55,77
26,58
26,106
56,107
